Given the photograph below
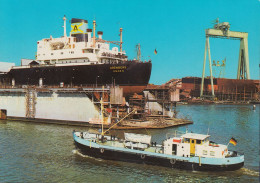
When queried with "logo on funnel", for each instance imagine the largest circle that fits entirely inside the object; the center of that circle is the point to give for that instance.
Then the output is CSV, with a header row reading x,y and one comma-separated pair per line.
x,y
77,28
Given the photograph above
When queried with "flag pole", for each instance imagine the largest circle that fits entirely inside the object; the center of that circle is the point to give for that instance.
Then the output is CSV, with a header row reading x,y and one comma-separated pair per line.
x,y
228,144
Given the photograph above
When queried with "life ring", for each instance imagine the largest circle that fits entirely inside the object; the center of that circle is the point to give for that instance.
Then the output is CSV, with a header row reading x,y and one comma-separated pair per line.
x,y
172,161
142,156
102,150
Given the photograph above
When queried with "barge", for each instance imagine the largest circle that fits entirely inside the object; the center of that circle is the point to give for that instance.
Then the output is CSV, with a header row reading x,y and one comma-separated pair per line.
x,y
189,151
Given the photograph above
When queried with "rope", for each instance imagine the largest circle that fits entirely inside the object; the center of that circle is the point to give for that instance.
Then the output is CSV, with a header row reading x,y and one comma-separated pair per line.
x,y
119,121
147,132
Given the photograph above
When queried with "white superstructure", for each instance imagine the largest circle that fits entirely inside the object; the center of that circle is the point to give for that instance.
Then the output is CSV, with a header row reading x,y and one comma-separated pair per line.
x,y
81,46
192,144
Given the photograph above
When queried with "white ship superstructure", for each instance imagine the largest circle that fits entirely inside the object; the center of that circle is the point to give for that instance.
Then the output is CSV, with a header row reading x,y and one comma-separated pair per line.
x,y
81,46
192,144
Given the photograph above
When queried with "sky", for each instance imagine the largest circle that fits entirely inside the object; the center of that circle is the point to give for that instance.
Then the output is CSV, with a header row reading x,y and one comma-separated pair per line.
x,y
175,28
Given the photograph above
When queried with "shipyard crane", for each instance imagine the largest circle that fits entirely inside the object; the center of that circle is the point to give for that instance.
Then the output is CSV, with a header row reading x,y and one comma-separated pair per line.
x,y
221,30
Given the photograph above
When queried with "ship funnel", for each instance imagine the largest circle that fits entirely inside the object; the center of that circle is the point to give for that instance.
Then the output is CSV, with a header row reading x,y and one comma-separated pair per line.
x,y
79,29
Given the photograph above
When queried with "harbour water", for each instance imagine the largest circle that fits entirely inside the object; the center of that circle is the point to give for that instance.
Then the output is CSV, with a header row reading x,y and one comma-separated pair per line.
x,y
31,152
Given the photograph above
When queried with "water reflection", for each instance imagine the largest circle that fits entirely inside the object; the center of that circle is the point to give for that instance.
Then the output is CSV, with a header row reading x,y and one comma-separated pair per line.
x,y
32,152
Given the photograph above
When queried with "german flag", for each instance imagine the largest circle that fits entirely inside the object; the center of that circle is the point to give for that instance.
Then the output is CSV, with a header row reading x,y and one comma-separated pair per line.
x,y
155,52
233,141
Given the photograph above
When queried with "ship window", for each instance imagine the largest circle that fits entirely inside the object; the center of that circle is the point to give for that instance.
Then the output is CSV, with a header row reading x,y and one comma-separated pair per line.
x,y
205,152
198,141
186,140
51,53
212,153
61,53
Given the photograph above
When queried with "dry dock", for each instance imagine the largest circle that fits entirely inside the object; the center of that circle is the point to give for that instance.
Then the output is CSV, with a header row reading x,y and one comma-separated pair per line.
x,y
85,107
133,124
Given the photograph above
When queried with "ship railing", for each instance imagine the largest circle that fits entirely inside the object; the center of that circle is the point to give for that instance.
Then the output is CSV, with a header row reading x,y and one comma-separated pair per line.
x,y
233,154
175,134
65,87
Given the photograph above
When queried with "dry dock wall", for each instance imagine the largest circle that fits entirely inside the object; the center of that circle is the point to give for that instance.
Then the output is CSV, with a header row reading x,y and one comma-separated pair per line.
x,y
14,103
49,105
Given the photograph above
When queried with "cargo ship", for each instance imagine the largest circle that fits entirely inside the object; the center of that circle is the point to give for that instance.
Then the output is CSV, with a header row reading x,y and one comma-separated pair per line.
x,y
188,151
80,59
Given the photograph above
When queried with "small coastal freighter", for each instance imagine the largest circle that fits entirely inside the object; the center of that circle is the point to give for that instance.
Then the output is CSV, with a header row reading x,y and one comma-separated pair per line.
x,y
80,59
189,151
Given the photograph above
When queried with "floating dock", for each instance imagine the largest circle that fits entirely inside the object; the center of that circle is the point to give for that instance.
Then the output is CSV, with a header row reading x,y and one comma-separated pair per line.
x,y
85,107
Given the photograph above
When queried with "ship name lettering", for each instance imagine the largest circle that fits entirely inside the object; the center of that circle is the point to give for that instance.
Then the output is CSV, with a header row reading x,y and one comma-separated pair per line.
x,y
117,67
119,70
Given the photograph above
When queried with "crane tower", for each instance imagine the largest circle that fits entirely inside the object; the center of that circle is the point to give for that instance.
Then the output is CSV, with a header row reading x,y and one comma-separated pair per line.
x,y
221,30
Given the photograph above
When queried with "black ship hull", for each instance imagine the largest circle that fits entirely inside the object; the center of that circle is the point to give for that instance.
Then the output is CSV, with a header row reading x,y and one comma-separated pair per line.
x,y
109,154
131,74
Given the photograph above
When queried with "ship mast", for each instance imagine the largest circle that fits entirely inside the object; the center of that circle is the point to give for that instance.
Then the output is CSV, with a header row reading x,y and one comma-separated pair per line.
x,y
138,50
121,39
94,34
64,26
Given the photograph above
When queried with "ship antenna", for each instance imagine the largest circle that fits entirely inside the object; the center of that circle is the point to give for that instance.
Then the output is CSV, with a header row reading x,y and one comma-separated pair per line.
x,y
208,130
64,19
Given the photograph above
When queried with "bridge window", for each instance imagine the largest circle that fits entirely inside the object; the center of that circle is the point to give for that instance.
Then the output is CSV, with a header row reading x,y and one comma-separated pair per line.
x,y
198,141
186,140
